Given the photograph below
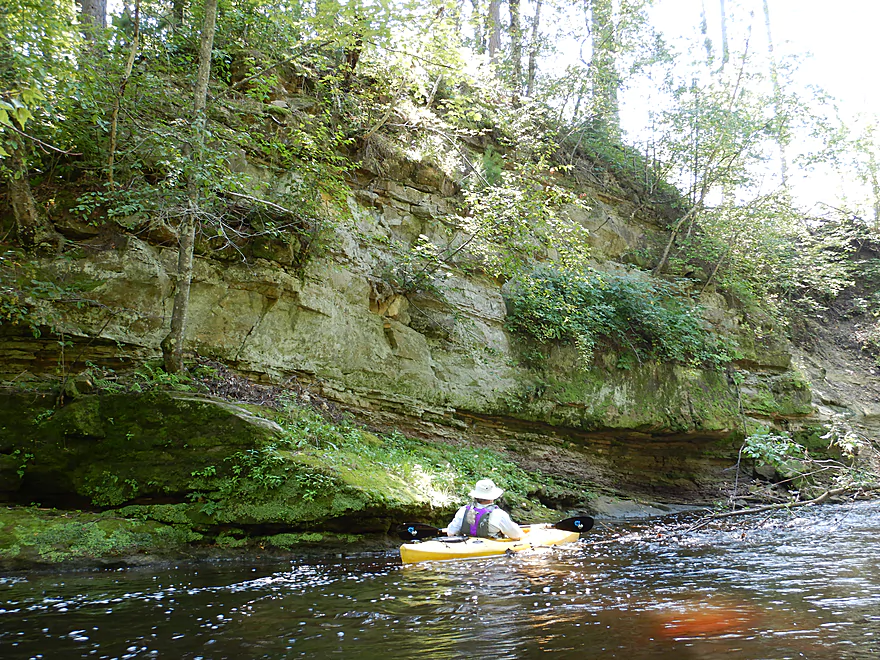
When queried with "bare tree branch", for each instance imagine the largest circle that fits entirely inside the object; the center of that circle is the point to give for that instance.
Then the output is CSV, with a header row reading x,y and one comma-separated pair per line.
x,y
43,144
791,505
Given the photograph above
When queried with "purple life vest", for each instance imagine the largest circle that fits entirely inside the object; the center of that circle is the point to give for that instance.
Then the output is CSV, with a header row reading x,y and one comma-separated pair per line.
x,y
476,520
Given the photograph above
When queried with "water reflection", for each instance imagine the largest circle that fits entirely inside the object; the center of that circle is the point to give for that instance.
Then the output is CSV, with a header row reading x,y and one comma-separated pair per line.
x,y
806,587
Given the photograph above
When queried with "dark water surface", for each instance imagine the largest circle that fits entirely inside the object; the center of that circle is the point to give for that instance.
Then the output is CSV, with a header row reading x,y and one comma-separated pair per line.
x,y
804,585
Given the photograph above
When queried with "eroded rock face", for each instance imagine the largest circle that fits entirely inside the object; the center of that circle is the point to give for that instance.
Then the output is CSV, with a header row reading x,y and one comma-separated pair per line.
x,y
424,364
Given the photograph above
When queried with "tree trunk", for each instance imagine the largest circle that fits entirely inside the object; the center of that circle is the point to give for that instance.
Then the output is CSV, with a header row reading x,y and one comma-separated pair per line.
x,y
353,54
725,50
200,100
172,345
606,82
533,50
493,28
178,10
777,100
93,13
875,187
114,117
704,30
477,21
32,229
515,49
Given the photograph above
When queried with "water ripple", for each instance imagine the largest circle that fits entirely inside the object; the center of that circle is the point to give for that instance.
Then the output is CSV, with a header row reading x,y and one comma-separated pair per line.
x,y
807,586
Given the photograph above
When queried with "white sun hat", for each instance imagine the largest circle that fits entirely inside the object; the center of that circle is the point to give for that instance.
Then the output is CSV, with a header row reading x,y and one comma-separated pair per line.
x,y
485,489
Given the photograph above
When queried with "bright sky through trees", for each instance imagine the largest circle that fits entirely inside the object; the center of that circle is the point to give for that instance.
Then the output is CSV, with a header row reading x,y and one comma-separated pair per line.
x,y
835,45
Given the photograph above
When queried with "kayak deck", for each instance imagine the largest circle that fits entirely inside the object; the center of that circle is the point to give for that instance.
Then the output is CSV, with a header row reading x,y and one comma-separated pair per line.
x,y
473,548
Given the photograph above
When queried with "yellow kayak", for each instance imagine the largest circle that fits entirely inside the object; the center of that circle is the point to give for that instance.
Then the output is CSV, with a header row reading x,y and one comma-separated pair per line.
x,y
535,536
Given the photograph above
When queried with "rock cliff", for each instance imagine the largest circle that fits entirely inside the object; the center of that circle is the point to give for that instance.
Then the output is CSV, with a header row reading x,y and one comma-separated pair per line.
x,y
438,365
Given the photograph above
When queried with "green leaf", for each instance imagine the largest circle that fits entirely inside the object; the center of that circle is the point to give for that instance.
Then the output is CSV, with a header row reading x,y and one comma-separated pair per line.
x,y
32,95
22,114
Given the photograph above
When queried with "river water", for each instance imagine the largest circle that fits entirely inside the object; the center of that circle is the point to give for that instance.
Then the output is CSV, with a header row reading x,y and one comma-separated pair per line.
x,y
804,584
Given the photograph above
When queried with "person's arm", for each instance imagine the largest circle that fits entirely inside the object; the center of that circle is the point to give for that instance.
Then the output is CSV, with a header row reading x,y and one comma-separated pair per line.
x,y
507,527
453,528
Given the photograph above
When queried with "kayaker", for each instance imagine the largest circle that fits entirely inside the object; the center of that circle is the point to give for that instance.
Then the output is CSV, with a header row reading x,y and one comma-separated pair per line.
x,y
483,517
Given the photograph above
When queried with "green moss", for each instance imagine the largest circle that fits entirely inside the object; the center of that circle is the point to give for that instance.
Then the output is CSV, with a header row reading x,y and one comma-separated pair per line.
x,y
769,350
170,514
82,417
112,449
20,415
288,541
217,465
712,400
234,538
318,471
50,536
812,438
782,396
760,401
650,396
291,541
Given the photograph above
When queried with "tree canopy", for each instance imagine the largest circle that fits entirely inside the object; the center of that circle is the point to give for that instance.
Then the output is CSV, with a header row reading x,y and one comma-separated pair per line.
x,y
97,114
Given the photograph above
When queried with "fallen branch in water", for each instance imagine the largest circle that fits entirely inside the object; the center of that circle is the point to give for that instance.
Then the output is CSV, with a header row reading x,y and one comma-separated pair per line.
x,y
791,505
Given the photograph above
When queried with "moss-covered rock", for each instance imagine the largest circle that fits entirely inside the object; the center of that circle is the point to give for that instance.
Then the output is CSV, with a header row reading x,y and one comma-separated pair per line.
x,y
31,536
648,397
186,467
106,450
299,540
777,396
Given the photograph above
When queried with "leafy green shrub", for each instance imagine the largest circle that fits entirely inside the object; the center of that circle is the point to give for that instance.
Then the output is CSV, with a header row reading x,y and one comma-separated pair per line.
x,y
148,377
812,470
313,482
769,257
116,203
651,319
493,165
768,448
249,477
520,219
